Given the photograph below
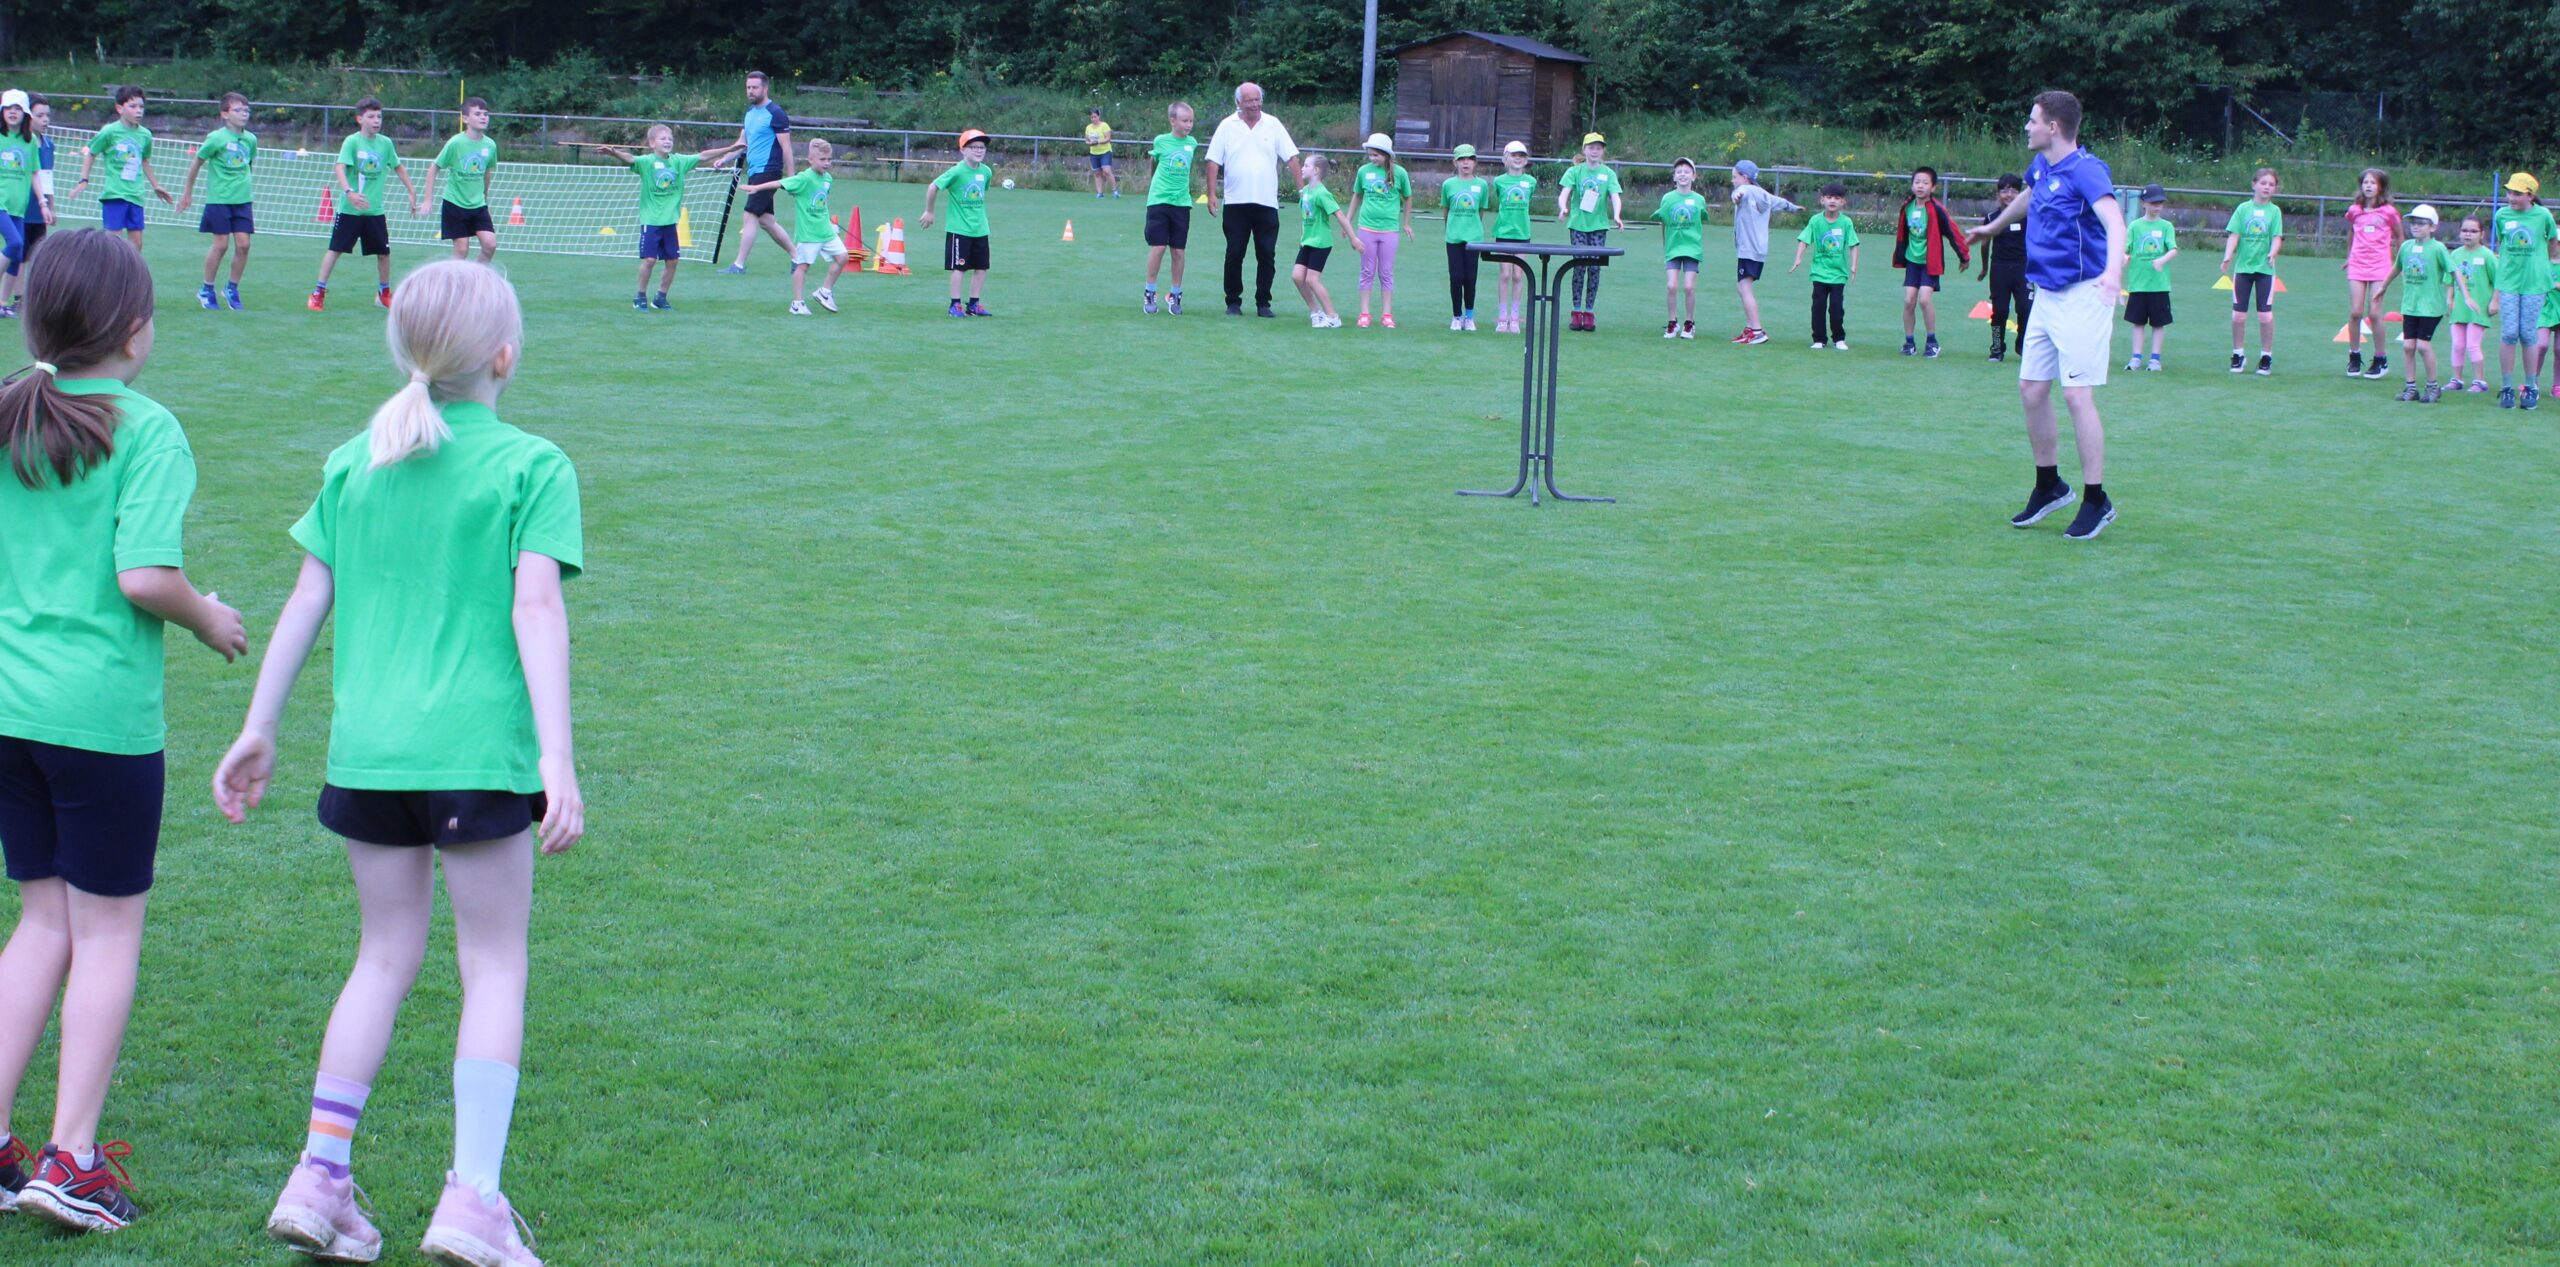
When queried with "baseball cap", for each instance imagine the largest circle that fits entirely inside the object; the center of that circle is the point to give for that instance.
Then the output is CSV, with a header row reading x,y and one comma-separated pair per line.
x,y
2524,183
1463,151
2154,193
1516,147
2425,211
1594,138
1685,161
1747,169
1380,141
972,134
14,97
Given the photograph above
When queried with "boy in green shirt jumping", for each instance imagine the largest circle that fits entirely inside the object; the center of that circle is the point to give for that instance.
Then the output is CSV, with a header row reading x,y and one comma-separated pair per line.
x,y
229,215
468,154
1683,214
1833,240
126,145
2151,242
813,230
366,161
1580,195
964,242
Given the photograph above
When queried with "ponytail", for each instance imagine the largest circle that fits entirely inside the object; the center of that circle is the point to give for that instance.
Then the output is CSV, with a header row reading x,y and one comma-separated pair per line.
x,y
407,423
87,294
449,321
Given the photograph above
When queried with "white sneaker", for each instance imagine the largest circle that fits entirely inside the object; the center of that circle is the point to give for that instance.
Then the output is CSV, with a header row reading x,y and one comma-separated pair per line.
x,y
827,300
1333,321
1457,323
799,309
1471,325
1841,346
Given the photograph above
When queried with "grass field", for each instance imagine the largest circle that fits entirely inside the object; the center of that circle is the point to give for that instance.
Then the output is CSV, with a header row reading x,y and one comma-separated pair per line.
x,y
1078,788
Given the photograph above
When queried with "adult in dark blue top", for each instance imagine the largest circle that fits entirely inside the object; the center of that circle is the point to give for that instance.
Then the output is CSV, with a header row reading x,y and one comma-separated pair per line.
x,y
767,135
2075,258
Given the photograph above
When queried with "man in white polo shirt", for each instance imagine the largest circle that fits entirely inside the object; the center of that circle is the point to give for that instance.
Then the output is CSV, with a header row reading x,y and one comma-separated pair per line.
x,y
1245,158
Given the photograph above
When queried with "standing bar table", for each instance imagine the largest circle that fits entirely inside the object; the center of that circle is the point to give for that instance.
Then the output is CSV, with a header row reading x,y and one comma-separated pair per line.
x,y
1547,280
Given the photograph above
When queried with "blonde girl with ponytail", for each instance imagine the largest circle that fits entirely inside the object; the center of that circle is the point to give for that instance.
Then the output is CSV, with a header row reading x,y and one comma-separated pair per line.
x,y
439,539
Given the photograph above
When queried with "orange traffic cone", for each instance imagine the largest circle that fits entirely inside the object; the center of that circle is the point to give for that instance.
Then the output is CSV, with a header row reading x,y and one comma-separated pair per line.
x,y
1071,232
855,250
1981,311
515,213
2341,335
328,205
893,248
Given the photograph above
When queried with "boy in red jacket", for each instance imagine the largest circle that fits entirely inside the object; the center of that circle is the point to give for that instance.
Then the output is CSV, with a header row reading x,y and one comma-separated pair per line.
x,y
1920,238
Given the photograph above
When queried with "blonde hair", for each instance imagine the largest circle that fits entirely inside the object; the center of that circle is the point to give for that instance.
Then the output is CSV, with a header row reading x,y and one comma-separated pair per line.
x,y
820,145
651,136
448,322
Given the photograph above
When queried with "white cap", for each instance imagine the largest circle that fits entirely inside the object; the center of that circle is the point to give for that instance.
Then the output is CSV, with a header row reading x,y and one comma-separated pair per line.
x,y
1380,141
14,97
1516,147
2425,211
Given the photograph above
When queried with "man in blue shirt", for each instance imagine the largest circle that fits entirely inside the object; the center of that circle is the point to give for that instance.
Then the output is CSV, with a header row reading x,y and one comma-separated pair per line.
x,y
767,136
2075,258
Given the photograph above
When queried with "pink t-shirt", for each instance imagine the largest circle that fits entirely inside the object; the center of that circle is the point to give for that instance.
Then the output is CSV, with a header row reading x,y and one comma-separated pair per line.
x,y
2370,234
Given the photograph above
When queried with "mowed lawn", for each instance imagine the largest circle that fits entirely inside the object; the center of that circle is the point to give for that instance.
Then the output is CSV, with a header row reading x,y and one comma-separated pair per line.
x,y
1078,788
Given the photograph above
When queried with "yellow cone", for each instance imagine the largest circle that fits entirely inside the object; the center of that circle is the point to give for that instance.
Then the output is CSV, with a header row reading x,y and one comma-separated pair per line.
x,y
606,232
684,229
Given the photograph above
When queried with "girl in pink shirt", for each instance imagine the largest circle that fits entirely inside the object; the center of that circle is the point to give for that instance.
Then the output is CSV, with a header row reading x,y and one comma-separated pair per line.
x,y
2373,241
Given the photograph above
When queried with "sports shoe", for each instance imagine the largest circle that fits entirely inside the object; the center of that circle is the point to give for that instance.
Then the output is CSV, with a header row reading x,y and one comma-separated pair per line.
x,y
2266,364
13,1172
1742,338
231,295
382,295
1147,301
956,309
1364,321
1758,337
1688,329
639,303
1841,346
2408,392
1820,346
1929,351
1999,353
2043,502
826,299
2133,363
799,309
204,297
2529,398
1471,325
2239,360
1315,321
2155,362
1457,324
2092,520
2479,384
660,303
2431,395
2506,398
976,309
1263,310
1910,346
471,1231
1388,320
323,1216
2380,364
2355,364
1235,310
319,299
2457,385
1670,329
1173,304
84,1200
734,270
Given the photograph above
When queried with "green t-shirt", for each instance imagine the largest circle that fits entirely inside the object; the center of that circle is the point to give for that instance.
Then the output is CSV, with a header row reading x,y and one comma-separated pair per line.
x,y
2478,268
1588,189
430,691
18,160
2147,239
1381,201
662,185
1915,226
1830,237
80,665
1684,222
1316,208
227,155
466,163
966,185
2257,225
121,152
2426,268
1171,186
369,162
1511,206
2524,249
810,190
1463,199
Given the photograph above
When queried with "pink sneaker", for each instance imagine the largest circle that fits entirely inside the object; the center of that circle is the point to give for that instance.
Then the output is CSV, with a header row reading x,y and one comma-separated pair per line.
x,y
470,1232
319,1215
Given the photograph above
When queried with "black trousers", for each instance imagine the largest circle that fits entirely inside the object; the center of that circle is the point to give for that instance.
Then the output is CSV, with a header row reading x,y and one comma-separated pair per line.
x,y
2009,288
1260,225
1462,279
1830,298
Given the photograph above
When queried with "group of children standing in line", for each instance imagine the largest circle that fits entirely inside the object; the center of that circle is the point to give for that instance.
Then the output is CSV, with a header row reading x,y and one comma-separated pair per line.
x,y
438,540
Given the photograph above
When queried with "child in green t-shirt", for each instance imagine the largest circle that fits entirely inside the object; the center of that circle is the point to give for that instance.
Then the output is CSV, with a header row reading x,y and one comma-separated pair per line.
x,y
1319,218
1169,204
1463,199
1513,191
813,227
229,216
2427,280
2150,243
662,172
365,162
1683,215
2476,267
964,243
126,146
470,155
2251,243
1832,239
1381,218
1581,194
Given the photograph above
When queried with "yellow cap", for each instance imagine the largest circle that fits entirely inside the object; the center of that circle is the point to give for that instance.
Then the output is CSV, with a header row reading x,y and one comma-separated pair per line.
x,y
2524,183
1594,138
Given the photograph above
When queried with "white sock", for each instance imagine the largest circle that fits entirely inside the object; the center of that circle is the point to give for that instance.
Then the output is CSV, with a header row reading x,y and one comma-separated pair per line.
x,y
484,1104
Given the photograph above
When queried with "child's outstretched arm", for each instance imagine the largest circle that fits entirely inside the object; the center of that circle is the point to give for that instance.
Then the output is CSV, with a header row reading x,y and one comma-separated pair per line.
x,y
542,643
240,782
721,154
2009,215
1618,210
1343,219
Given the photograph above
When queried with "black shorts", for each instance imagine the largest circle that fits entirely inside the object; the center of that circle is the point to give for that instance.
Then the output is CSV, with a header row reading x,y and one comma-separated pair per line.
x,y
226,218
760,203
372,232
1312,258
463,222
1169,225
33,228
1916,276
1748,270
2419,329
2147,308
89,819
415,819
964,254
2253,288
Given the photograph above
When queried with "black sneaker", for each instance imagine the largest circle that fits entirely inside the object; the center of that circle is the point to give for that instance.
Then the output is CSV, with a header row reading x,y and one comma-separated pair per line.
x,y
1999,351
13,1172
2529,398
2239,362
1235,310
1910,347
2355,364
2042,502
2266,364
2379,366
1931,351
2506,398
2092,520
2431,395
1263,310
2408,392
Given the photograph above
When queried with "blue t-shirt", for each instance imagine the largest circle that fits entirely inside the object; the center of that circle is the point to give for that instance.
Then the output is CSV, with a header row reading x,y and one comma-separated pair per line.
x,y
764,123
2066,242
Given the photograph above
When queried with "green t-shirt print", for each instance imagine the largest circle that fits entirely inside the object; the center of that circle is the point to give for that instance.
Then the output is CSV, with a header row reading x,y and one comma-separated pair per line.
x,y
1462,200
2257,225
369,162
466,163
1684,218
227,156
965,184
2426,268
2477,266
1830,239
2523,239
1381,199
2147,239
1512,198
1316,208
1915,225
121,152
662,185
1171,185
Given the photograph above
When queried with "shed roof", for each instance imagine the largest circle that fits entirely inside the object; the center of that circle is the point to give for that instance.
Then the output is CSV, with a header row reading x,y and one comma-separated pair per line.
x,y
1516,43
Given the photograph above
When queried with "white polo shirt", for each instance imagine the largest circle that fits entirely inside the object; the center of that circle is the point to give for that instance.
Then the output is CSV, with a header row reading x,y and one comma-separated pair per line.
x,y
1249,159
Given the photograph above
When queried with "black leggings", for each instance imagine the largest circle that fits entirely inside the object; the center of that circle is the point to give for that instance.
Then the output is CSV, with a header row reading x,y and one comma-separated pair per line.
x,y
1462,279
1831,298
2009,288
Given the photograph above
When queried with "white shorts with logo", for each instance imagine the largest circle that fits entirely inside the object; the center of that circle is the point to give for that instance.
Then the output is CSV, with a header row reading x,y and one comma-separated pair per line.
x,y
828,248
2069,336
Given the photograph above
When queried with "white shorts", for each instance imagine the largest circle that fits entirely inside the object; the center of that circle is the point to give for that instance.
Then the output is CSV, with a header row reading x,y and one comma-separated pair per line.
x,y
2069,336
811,252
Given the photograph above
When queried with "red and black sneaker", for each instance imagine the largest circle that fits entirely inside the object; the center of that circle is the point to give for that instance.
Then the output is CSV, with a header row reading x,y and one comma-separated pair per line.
x,y
13,1171
84,1199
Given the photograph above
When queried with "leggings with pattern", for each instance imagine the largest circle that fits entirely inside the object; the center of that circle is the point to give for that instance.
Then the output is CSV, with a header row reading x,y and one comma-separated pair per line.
x,y
1586,281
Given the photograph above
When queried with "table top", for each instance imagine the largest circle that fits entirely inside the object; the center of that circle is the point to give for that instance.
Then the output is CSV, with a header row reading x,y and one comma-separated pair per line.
x,y
1567,250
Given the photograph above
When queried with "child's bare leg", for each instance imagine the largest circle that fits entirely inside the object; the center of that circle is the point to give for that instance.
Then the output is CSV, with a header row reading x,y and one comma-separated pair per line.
x,y
646,267
1177,270
799,282
1689,298
977,284
239,257
328,264
1671,293
2267,332
1323,298
213,257
488,245
382,270
1910,310
1750,303
2357,306
1928,309
1155,262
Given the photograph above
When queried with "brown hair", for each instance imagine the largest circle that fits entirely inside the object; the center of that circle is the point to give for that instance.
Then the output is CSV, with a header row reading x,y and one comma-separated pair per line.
x,y
2062,110
230,99
128,92
480,102
87,293
373,104
2269,172
2381,189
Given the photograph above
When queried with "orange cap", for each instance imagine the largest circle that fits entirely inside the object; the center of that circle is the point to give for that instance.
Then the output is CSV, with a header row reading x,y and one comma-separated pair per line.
x,y
972,134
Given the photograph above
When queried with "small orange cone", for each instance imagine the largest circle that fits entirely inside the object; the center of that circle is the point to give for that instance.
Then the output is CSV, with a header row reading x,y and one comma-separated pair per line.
x,y
328,205
1981,311
2341,335
515,213
1071,232
855,251
893,248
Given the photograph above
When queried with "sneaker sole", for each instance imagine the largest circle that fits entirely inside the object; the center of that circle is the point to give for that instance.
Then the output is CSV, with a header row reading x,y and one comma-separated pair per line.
x,y
63,1211
2092,534
2039,517
459,1249
305,1232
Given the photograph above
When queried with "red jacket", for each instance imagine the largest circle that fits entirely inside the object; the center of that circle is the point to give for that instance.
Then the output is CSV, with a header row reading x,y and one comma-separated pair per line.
x,y
1942,232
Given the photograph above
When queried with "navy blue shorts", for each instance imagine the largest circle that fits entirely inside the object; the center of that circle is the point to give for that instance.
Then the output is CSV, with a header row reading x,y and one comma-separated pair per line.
x,y
1100,161
1916,276
121,215
418,819
227,217
1747,270
658,242
89,819
760,203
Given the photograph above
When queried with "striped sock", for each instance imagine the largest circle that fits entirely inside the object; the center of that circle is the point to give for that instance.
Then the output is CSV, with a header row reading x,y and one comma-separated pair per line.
x,y
336,1106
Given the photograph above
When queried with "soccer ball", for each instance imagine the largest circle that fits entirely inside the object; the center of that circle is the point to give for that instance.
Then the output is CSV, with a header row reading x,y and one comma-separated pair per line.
x,y
1008,182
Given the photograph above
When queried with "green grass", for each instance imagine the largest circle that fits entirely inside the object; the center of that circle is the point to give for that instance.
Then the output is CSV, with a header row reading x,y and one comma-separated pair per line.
x,y
1078,787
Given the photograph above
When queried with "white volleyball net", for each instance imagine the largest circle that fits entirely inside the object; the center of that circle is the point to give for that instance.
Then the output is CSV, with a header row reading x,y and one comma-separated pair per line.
x,y
553,208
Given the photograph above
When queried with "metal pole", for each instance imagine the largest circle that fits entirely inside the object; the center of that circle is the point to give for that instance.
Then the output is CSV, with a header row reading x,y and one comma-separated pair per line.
x,y
1369,70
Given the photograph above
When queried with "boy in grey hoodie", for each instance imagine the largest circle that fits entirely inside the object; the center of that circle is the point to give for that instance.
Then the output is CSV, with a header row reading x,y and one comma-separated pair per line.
x,y
1751,207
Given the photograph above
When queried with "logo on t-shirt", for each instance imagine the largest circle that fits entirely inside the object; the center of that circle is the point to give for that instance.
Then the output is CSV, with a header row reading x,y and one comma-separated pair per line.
x,y
1832,239
12,159
2257,222
1178,160
236,154
663,175
475,163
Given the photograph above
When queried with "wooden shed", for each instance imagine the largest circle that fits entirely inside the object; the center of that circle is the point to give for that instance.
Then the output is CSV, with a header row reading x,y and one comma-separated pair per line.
x,y
1481,89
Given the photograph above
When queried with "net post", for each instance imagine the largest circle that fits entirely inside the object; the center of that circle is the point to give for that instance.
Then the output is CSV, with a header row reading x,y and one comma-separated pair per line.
x,y
728,205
